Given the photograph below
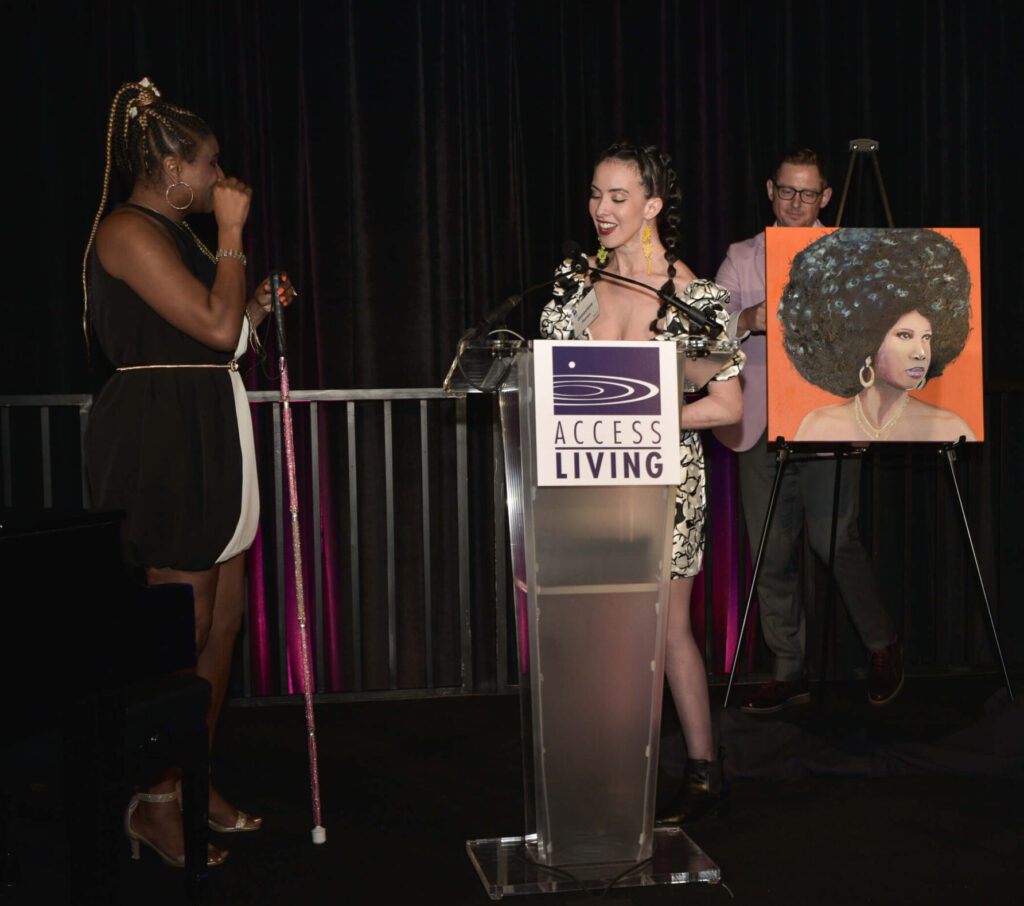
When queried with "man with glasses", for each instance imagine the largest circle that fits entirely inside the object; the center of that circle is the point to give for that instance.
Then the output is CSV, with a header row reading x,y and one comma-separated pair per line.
x,y
798,190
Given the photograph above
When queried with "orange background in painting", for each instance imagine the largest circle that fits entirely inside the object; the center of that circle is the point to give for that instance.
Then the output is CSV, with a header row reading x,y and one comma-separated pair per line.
x,y
790,397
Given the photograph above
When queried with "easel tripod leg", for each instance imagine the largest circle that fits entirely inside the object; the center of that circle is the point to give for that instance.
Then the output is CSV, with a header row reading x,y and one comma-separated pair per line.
x,y
781,457
950,453
828,608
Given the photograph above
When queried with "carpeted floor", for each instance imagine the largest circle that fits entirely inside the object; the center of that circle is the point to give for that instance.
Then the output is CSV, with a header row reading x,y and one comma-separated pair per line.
x,y
921,802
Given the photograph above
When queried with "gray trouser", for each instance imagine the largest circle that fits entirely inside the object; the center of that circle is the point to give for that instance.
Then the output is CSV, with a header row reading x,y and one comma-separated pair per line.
x,y
806,494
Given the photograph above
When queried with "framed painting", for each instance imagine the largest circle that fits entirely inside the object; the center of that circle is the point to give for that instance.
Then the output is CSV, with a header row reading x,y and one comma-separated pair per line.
x,y
874,335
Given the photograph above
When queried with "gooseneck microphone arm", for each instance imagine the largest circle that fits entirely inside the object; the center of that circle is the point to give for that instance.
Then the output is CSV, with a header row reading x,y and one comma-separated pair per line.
x,y
497,315
581,264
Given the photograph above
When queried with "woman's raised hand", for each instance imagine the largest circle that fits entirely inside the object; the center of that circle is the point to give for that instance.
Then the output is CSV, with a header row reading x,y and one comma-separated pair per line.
x,y
231,199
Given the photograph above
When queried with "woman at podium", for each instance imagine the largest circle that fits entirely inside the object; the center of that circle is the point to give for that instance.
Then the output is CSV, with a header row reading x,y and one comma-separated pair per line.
x,y
634,205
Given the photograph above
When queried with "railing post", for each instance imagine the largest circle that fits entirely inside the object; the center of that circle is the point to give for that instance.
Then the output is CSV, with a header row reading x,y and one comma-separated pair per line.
x,y
462,503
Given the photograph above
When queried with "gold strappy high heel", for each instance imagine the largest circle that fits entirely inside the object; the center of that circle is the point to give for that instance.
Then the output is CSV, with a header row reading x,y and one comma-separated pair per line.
x,y
214,856
243,824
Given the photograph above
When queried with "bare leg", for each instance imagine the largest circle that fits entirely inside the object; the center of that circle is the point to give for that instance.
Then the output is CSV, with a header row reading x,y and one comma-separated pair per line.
x,y
687,677
214,663
160,822
204,591
219,604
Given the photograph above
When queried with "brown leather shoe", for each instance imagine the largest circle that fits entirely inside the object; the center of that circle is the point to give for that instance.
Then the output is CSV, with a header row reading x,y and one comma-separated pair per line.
x,y
776,695
885,674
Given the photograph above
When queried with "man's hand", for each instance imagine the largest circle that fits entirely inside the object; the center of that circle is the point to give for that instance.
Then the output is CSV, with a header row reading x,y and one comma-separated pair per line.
x,y
753,319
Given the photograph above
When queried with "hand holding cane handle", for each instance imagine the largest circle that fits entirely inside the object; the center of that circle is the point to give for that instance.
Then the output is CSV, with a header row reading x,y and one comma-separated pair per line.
x,y
277,300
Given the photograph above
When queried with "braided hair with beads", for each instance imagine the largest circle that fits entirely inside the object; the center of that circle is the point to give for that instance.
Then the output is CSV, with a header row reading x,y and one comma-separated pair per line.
x,y
659,180
142,129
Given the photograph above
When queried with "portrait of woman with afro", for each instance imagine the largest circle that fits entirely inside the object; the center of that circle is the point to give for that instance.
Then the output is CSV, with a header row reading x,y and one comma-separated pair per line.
x,y
871,315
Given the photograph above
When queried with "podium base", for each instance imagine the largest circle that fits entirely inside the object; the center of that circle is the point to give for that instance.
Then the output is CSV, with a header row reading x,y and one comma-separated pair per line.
x,y
508,866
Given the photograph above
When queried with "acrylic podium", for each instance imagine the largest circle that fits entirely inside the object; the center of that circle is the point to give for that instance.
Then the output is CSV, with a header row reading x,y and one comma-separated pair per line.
x,y
591,502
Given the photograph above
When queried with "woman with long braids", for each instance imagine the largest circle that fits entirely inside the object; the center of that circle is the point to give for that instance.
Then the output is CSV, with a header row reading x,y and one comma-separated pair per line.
x,y
634,204
169,439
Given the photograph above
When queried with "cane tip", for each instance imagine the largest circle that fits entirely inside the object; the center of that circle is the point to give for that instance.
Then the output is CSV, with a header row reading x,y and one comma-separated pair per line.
x,y
319,835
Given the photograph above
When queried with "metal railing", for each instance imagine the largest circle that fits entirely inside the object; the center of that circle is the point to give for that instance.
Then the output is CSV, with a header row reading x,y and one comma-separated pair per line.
x,y
454,638
37,467
78,404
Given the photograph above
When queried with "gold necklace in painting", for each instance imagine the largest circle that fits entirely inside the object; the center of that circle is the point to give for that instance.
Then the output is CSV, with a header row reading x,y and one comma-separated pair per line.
x,y
881,432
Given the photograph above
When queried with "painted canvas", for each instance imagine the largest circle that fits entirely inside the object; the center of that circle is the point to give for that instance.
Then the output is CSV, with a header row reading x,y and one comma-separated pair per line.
x,y
874,335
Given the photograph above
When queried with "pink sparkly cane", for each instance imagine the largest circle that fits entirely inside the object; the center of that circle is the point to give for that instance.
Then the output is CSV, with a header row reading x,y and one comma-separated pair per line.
x,y
277,292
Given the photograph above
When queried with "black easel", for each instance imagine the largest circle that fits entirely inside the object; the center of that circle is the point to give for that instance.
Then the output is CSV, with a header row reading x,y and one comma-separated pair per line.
x,y
783,455
858,146
948,450
870,147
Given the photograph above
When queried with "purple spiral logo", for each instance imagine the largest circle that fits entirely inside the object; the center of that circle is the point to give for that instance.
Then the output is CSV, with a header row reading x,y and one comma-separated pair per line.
x,y
591,380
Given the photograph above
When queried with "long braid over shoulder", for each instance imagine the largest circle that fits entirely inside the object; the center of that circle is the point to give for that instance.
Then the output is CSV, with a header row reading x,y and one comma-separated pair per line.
x,y
142,129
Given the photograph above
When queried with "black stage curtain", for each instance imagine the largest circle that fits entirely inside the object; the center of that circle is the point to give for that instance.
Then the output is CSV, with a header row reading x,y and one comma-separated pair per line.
x,y
416,162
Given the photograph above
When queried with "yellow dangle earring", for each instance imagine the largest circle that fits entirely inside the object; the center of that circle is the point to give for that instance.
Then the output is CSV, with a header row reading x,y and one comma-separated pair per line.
x,y
602,253
647,244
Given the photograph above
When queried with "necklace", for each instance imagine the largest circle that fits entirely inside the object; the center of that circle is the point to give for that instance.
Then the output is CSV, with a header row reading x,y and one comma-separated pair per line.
x,y
185,228
882,432
198,241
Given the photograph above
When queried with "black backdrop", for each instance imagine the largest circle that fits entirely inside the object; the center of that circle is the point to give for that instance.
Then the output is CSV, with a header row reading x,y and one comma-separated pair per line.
x,y
416,162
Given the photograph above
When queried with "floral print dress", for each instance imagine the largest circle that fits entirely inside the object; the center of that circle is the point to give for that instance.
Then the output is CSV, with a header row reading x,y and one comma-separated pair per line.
x,y
557,323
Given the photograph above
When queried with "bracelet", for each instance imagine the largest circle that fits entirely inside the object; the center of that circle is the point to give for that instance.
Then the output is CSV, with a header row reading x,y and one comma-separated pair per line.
x,y
254,338
231,253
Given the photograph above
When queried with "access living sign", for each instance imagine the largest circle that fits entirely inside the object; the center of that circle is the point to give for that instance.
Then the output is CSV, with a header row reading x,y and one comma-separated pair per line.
x,y
607,413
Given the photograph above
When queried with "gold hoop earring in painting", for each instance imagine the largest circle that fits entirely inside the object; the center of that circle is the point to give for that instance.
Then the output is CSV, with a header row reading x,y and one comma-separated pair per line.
x,y
869,381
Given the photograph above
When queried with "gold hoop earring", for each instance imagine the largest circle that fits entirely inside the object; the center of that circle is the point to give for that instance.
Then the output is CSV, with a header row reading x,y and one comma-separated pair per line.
x,y
922,382
602,253
646,244
866,382
191,196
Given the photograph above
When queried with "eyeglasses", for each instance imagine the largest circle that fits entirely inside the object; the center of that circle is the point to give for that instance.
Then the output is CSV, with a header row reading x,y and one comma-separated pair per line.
x,y
807,196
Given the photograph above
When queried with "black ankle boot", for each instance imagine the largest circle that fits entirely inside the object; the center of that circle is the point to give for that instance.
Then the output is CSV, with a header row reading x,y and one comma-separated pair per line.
x,y
704,790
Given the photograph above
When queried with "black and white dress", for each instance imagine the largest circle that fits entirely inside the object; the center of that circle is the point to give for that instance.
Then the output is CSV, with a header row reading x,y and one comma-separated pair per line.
x,y
172,447
557,323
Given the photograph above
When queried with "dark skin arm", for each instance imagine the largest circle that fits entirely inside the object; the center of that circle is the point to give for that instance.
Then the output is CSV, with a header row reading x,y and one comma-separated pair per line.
x,y
135,249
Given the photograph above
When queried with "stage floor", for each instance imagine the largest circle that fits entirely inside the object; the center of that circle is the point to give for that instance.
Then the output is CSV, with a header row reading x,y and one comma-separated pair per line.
x,y
848,805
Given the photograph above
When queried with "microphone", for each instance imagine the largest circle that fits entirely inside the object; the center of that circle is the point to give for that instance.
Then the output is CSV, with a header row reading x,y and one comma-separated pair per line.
x,y
573,250
497,315
581,265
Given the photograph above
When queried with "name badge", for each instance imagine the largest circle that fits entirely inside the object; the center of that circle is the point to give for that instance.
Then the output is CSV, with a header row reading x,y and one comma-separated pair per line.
x,y
586,314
